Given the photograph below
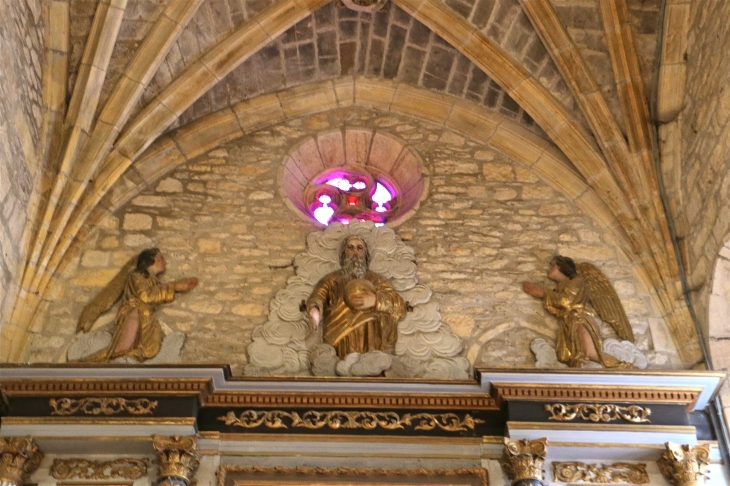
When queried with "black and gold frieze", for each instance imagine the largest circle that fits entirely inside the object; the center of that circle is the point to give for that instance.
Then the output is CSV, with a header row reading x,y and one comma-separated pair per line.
x,y
90,406
353,422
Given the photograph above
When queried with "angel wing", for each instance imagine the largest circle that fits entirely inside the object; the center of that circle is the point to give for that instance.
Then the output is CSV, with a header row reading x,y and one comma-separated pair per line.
x,y
105,299
605,300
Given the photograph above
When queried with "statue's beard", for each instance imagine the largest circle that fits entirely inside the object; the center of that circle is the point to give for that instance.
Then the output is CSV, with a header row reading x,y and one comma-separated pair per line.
x,y
354,267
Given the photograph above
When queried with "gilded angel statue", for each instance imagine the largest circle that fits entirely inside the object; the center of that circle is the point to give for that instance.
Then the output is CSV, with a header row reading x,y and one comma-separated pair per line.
x,y
578,340
137,334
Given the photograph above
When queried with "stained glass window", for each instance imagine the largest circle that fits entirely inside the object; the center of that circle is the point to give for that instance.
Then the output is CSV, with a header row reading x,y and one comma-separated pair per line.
x,y
347,194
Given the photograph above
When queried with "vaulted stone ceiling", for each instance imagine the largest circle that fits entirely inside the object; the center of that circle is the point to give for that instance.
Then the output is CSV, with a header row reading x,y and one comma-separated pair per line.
x,y
576,75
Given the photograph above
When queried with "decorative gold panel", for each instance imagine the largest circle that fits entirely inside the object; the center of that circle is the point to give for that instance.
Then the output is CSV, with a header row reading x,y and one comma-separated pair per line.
x,y
102,406
125,468
597,412
337,419
343,476
600,473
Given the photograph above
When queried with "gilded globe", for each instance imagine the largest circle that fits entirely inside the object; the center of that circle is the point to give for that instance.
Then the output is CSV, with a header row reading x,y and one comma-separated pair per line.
x,y
356,287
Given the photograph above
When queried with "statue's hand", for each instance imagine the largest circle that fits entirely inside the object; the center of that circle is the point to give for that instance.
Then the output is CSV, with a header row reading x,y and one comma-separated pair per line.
x,y
533,289
363,301
186,284
314,317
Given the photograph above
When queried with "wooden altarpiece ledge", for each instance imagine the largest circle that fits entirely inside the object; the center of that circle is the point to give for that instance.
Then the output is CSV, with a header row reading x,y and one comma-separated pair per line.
x,y
130,403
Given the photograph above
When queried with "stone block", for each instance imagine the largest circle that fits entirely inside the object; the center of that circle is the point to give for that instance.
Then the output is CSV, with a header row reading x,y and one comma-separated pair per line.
x,y
206,245
498,172
137,222
250,310
95,259
169,185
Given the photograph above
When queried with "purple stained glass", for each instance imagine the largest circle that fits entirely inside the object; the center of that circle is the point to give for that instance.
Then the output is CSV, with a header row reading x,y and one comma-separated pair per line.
x,y
373,200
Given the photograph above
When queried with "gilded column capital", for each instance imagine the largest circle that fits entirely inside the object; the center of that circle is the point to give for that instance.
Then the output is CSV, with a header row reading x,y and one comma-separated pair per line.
x,y
177,459
522,461
685,465
19,457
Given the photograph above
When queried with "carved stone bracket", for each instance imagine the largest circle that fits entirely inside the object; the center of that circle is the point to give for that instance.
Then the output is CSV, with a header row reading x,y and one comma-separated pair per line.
x,y
177,459
19,457
336,419
522,461
597,412
685,465
600,473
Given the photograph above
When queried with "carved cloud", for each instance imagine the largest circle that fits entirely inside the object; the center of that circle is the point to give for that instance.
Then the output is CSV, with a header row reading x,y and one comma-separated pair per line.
x,y
426,347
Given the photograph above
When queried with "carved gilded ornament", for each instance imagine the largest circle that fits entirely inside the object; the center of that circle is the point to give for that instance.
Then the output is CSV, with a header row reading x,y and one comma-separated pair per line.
x,y
19,457
600,473
176,456
597,412
685,465
277,419
126,468
102,406
523,459
223,472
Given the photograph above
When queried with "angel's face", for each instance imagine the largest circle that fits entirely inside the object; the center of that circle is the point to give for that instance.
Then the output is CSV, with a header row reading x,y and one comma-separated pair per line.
x,y
159,266
555,274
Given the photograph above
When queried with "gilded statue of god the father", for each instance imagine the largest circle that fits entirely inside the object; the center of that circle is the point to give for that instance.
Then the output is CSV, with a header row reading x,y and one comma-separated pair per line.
x,y
358,309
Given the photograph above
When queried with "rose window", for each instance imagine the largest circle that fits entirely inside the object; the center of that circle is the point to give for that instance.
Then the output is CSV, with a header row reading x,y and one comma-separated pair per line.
x,y
353,174
345,194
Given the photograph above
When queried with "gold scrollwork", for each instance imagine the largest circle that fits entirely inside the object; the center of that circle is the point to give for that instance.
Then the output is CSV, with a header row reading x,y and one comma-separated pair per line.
x,y
619,472
336,419
224,471
102,406
126,468
597,412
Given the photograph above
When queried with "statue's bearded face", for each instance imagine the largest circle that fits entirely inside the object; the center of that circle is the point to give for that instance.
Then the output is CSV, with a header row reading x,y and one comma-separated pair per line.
x,y
354,264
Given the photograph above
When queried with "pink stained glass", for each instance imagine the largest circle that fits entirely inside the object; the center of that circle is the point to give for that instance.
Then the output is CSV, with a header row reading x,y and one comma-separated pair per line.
x,y
350,194
324,214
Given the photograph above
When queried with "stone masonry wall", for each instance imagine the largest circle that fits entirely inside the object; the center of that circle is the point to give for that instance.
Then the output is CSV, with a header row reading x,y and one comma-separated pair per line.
x,y
21,55
706,169
486,225
705,148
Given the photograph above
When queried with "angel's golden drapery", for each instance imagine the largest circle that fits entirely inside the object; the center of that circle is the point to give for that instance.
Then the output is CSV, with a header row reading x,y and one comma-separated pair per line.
x,y
568,302
350,331
137,333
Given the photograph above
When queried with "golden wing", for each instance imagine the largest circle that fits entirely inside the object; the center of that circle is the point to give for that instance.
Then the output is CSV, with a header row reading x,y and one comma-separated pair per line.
x,y
105,299
604,299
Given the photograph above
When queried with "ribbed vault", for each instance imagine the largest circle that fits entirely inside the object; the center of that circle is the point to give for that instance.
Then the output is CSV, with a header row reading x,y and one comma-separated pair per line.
x,y
524,76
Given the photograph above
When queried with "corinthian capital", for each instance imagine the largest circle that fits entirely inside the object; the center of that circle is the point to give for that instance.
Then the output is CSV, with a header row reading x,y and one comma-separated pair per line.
x,y
19,457
522,461
685,465
177,459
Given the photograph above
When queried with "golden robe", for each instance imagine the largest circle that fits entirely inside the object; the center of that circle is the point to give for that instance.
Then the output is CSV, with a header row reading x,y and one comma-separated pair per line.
x,y
568,302
351,331
137,332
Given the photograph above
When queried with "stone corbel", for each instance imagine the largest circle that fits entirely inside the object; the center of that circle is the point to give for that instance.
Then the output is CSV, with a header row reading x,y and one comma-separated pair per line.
x,y
522,461
685,465
177,459
19,457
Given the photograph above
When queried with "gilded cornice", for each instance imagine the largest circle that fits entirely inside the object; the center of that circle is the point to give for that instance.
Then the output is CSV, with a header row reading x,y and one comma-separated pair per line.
x,y
353,400
595,393
82,387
